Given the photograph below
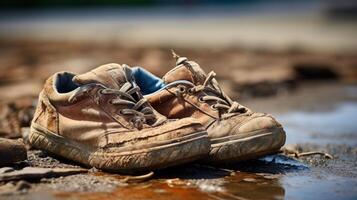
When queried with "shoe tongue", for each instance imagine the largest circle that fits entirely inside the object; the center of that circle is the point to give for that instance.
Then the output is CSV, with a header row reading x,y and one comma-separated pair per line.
x,y
111,75
185,70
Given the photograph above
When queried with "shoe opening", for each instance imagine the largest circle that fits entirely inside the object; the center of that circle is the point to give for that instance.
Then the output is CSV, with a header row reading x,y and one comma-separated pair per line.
x,y
148,82
64,82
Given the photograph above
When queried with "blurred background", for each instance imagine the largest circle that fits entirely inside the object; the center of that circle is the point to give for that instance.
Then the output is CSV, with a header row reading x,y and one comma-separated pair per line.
x,y
259,48
275,42
294,59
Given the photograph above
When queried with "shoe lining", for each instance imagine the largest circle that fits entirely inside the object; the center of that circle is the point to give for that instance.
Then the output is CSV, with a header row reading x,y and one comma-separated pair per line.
x,y
147,81
64,83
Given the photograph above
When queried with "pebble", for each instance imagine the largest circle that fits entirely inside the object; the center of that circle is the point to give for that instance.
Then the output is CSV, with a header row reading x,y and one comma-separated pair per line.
x,y
250,180
23,185
11,151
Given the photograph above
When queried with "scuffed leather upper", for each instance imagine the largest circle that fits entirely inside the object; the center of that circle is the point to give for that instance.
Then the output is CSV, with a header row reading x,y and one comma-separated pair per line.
x,y
91,119
177,101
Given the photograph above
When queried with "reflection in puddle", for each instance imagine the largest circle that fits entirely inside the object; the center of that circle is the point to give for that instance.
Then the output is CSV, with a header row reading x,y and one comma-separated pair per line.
x,y
153,190
239,186
254,186
258,179
336,127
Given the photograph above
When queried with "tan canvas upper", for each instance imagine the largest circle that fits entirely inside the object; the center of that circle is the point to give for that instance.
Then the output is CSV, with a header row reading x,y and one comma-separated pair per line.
x,y
200,96
95,113
101,119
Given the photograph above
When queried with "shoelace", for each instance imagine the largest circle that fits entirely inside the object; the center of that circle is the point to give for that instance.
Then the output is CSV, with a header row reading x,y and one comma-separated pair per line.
x,y
124,97
223,104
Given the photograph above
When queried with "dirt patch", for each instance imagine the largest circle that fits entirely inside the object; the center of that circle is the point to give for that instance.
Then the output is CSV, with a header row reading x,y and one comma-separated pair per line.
x,y
267,72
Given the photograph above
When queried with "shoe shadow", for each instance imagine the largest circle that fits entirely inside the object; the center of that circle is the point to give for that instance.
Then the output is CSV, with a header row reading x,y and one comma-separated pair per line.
x,y
192,171
272,164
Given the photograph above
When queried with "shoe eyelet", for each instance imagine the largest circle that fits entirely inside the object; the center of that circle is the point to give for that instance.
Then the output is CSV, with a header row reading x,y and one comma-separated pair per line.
x,y
190,90
200,99
181,89
213,107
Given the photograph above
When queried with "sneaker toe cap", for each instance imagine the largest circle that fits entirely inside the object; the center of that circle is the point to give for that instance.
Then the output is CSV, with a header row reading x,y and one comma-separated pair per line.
x,y
259,122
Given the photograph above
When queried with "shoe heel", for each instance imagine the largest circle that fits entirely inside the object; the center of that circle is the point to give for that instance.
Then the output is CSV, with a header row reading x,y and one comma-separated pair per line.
x,y
50,142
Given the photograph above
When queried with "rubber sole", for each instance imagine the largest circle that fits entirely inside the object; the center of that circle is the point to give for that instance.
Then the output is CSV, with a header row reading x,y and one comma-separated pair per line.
x,y
246,146
193,146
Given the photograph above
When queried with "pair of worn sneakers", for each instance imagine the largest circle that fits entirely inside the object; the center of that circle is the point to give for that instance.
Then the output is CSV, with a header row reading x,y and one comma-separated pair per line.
x,y
127,120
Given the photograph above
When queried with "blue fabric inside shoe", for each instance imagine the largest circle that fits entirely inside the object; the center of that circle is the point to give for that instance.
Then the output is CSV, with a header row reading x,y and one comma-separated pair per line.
x,y
64,83
148,82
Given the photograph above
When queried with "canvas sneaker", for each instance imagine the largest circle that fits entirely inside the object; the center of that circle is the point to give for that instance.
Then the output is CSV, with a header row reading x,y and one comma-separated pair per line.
x,y
236,132
100,119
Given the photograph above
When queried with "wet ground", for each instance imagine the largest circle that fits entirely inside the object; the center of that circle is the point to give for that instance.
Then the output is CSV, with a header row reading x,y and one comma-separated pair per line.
x,y
325,121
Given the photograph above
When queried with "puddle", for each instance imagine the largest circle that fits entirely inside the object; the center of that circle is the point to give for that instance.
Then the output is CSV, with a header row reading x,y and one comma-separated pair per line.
x,y
239,186
154,190
338,126
249,180
321,186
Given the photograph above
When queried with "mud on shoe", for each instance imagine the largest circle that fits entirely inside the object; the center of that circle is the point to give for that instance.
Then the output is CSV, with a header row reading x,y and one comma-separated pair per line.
x,y
100,119
236,133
